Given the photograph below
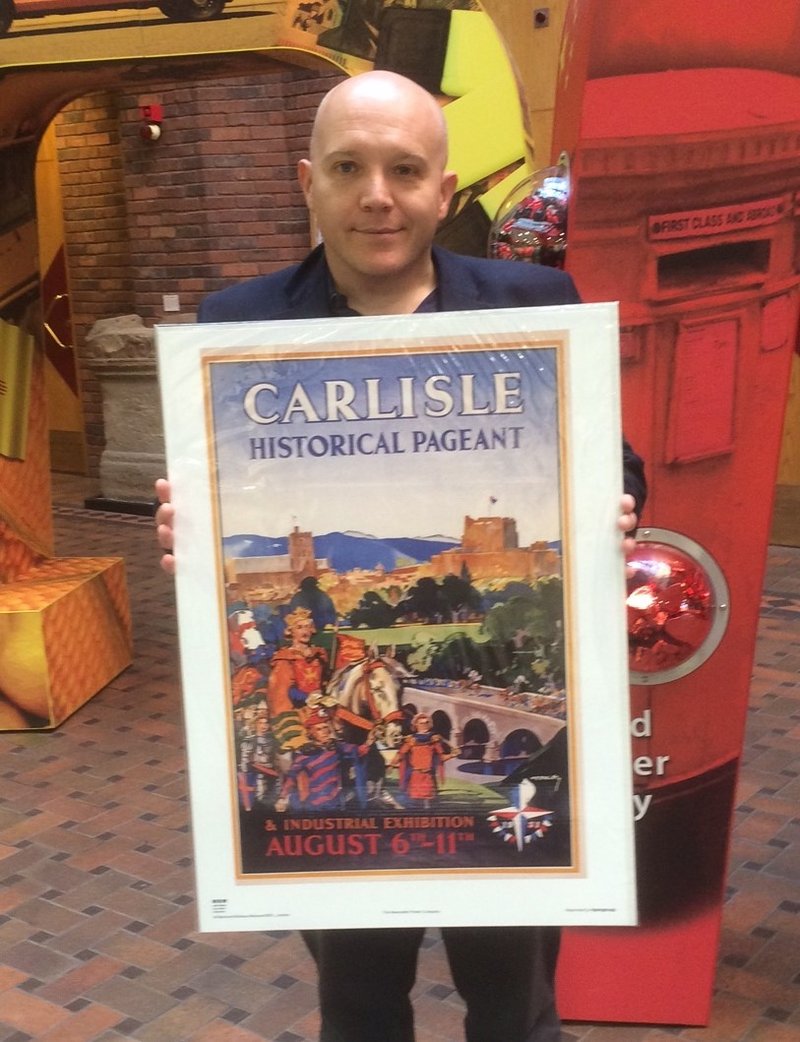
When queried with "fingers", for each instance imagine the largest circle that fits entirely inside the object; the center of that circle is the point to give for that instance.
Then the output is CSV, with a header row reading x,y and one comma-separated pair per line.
x,y
163,490
168,564
628,519
627,522
164,533
165,519
164,511
164,538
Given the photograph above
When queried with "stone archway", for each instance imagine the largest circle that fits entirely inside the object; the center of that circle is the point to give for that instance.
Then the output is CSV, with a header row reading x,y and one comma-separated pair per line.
x,y
519,743
475,738
442,724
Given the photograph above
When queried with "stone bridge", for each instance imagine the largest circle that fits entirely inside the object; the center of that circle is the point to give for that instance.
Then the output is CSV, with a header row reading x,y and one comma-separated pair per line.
x,y
480,717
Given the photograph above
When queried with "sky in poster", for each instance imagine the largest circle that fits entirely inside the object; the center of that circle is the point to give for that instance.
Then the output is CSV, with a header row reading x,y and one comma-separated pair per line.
x,y
493,451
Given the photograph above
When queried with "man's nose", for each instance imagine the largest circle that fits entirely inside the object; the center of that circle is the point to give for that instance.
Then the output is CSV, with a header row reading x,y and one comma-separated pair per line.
x,y
376,194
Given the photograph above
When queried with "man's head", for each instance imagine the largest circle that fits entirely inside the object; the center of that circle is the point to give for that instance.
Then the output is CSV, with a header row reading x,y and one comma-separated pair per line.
x,y
299,626
319,725
392,734
375,181
421,723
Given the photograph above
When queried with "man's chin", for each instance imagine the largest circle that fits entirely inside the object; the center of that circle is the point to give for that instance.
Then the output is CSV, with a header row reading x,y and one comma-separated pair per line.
x,y
384,264
377,263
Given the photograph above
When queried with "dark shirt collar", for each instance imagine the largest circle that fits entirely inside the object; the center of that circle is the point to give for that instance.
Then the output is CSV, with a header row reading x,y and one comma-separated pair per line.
x,y
339,308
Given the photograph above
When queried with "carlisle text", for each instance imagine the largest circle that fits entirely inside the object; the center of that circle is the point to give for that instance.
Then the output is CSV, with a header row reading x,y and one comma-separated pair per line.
x,y
376,398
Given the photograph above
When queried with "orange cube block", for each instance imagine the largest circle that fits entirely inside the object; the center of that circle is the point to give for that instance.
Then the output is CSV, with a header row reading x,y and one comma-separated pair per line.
x,y
65,632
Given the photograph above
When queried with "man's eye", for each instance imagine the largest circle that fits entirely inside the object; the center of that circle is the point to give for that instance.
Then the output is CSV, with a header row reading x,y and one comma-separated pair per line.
x,y
345,167
405,170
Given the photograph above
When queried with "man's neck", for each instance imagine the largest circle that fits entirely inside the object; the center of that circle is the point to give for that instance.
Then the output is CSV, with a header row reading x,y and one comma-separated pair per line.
x,y
381,295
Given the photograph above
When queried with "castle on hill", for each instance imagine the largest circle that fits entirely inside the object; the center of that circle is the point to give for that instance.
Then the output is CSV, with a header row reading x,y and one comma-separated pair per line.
x,y
489,549
279,573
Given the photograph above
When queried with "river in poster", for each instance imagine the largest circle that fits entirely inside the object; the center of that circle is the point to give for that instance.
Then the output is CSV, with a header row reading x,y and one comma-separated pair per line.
x,y
391,532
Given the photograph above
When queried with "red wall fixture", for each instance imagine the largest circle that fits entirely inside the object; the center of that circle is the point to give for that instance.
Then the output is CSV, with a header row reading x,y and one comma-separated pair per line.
x,y
685,209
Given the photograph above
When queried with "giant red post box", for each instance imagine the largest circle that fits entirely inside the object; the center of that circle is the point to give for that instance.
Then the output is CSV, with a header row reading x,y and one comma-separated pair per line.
x,y
685,208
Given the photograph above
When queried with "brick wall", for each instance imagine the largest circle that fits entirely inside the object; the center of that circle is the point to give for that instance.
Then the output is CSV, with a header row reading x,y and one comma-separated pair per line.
x,y
216,198
96,234
213,201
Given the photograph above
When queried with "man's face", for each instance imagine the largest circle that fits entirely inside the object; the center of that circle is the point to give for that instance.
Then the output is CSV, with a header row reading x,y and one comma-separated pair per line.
x,y
302,631
322,733
376,185
422,725
393,735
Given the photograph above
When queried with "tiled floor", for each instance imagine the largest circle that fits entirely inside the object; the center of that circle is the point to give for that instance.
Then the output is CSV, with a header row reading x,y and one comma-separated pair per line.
x,y
96,909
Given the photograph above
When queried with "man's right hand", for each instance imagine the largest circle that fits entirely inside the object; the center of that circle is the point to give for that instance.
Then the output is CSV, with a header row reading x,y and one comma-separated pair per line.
x,y
165,518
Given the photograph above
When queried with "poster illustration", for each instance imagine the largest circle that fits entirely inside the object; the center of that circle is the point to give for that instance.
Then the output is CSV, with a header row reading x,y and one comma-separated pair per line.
x,y
391,661
348,31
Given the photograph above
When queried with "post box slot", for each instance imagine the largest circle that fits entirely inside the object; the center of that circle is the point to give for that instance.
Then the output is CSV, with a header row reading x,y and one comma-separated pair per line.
x,y
707,266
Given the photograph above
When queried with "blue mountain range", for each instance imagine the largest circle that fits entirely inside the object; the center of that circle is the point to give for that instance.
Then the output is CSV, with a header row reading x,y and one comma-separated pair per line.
x,y
346,550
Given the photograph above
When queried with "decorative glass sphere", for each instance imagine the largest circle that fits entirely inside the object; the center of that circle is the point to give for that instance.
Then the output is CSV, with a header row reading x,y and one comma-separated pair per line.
x,y
531,222
674,603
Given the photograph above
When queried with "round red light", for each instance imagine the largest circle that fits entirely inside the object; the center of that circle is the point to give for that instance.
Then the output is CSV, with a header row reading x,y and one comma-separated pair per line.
x,y
676,595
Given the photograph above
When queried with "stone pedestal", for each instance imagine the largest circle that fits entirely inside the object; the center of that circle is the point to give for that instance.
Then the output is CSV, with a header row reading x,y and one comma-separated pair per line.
x,y
121,354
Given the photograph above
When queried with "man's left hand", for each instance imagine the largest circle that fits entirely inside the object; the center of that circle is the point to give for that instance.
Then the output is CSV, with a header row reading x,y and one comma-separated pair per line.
x,y
627,522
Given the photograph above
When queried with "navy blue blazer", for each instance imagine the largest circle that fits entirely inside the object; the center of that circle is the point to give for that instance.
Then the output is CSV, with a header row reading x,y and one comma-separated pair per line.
x,y
463,284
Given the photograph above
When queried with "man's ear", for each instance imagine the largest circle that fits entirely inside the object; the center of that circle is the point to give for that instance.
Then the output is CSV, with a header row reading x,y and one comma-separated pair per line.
x,y
449,181
304,179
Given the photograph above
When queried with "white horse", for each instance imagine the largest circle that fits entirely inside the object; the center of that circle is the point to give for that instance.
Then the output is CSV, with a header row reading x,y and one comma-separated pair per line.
x,y
368,691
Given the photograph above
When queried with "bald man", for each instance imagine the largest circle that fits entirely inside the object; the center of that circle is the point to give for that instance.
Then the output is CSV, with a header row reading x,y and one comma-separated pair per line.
x,y
377,184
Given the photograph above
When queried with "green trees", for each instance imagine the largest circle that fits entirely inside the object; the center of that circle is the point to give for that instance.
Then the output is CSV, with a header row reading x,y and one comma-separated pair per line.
x,y
530,626
525,646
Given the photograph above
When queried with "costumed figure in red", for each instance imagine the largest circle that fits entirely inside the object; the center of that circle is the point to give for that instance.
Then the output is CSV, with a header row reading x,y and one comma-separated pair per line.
x,y
296,681
420,760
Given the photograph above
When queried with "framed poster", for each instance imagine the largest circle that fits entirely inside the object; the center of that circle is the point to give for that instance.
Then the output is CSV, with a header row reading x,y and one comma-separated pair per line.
x,y
401,606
